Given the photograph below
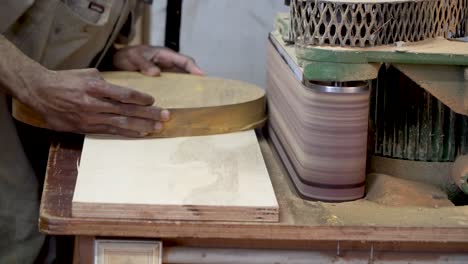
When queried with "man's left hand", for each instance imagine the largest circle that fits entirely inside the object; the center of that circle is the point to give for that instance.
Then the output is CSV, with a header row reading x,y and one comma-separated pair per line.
x,y
151,60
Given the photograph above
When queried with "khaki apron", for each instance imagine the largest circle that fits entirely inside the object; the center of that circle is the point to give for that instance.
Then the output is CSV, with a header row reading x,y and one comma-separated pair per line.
x,y
59,34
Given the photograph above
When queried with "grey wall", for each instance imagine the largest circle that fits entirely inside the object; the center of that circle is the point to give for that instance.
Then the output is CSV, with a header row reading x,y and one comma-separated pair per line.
x,y
226,37
158,22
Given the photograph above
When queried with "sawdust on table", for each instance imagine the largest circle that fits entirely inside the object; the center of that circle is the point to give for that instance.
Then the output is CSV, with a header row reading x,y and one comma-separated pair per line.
x,y
391,201
391,191
384,205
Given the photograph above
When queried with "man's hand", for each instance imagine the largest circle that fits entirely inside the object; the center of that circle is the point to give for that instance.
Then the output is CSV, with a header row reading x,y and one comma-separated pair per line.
x,y
81,101
152,60
77,100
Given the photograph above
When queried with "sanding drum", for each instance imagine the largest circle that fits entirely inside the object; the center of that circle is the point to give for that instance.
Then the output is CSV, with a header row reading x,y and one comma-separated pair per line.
x,y
320,133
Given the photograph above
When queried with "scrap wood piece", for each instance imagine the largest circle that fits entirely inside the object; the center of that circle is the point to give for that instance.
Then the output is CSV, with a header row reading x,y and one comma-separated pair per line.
x,y
392,191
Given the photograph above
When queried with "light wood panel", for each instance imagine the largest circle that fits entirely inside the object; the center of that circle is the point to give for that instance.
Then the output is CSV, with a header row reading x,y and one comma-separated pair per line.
x,y
198,105
217,177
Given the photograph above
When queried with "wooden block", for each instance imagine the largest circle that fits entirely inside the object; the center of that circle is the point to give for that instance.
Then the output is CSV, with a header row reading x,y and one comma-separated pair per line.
x,y
217,177
126,252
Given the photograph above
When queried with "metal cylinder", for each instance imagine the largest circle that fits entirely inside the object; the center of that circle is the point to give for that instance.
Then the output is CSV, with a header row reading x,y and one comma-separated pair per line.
x,y
320,133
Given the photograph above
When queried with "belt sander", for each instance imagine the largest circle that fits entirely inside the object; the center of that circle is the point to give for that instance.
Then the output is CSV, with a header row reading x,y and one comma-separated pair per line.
x,y
353,81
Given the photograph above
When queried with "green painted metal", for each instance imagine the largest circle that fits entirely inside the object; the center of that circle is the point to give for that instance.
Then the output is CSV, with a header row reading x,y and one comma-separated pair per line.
x,y
366,56
340,72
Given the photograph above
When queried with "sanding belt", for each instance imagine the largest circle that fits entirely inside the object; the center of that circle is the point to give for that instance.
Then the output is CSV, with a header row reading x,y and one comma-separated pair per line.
x,y
215,107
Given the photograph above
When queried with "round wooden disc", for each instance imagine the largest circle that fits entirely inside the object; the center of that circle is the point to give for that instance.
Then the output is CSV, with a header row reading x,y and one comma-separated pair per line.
x,y
172,90
198,105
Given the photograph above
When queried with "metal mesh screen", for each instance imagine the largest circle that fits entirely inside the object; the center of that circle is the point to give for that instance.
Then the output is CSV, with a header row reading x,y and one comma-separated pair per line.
x,y
340,23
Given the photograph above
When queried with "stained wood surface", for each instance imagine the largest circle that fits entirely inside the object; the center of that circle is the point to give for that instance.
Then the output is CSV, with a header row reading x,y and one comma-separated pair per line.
x,y
216,177
299,220
198,105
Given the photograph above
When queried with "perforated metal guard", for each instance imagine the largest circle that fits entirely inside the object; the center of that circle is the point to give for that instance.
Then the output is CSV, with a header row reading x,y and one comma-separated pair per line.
x,y
372,23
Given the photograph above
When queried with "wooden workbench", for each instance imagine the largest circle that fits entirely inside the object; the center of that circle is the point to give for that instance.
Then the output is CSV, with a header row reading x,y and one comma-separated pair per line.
x,y
303,224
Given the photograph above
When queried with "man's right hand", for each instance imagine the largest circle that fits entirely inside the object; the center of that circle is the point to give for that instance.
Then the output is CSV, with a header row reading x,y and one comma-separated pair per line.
x,y
81,101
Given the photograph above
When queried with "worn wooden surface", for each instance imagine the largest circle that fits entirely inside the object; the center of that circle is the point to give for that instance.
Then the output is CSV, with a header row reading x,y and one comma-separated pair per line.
x,y
299,220
198,105
215,177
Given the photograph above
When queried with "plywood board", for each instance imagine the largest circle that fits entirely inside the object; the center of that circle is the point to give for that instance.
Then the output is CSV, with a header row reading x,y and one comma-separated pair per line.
x,y
217,177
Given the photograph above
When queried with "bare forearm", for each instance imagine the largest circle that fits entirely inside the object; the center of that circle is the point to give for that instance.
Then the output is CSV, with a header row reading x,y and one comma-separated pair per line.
x,y
77,100
17,71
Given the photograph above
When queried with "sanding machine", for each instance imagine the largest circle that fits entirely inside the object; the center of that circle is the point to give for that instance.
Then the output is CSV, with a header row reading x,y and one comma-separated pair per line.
x,y
358,86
